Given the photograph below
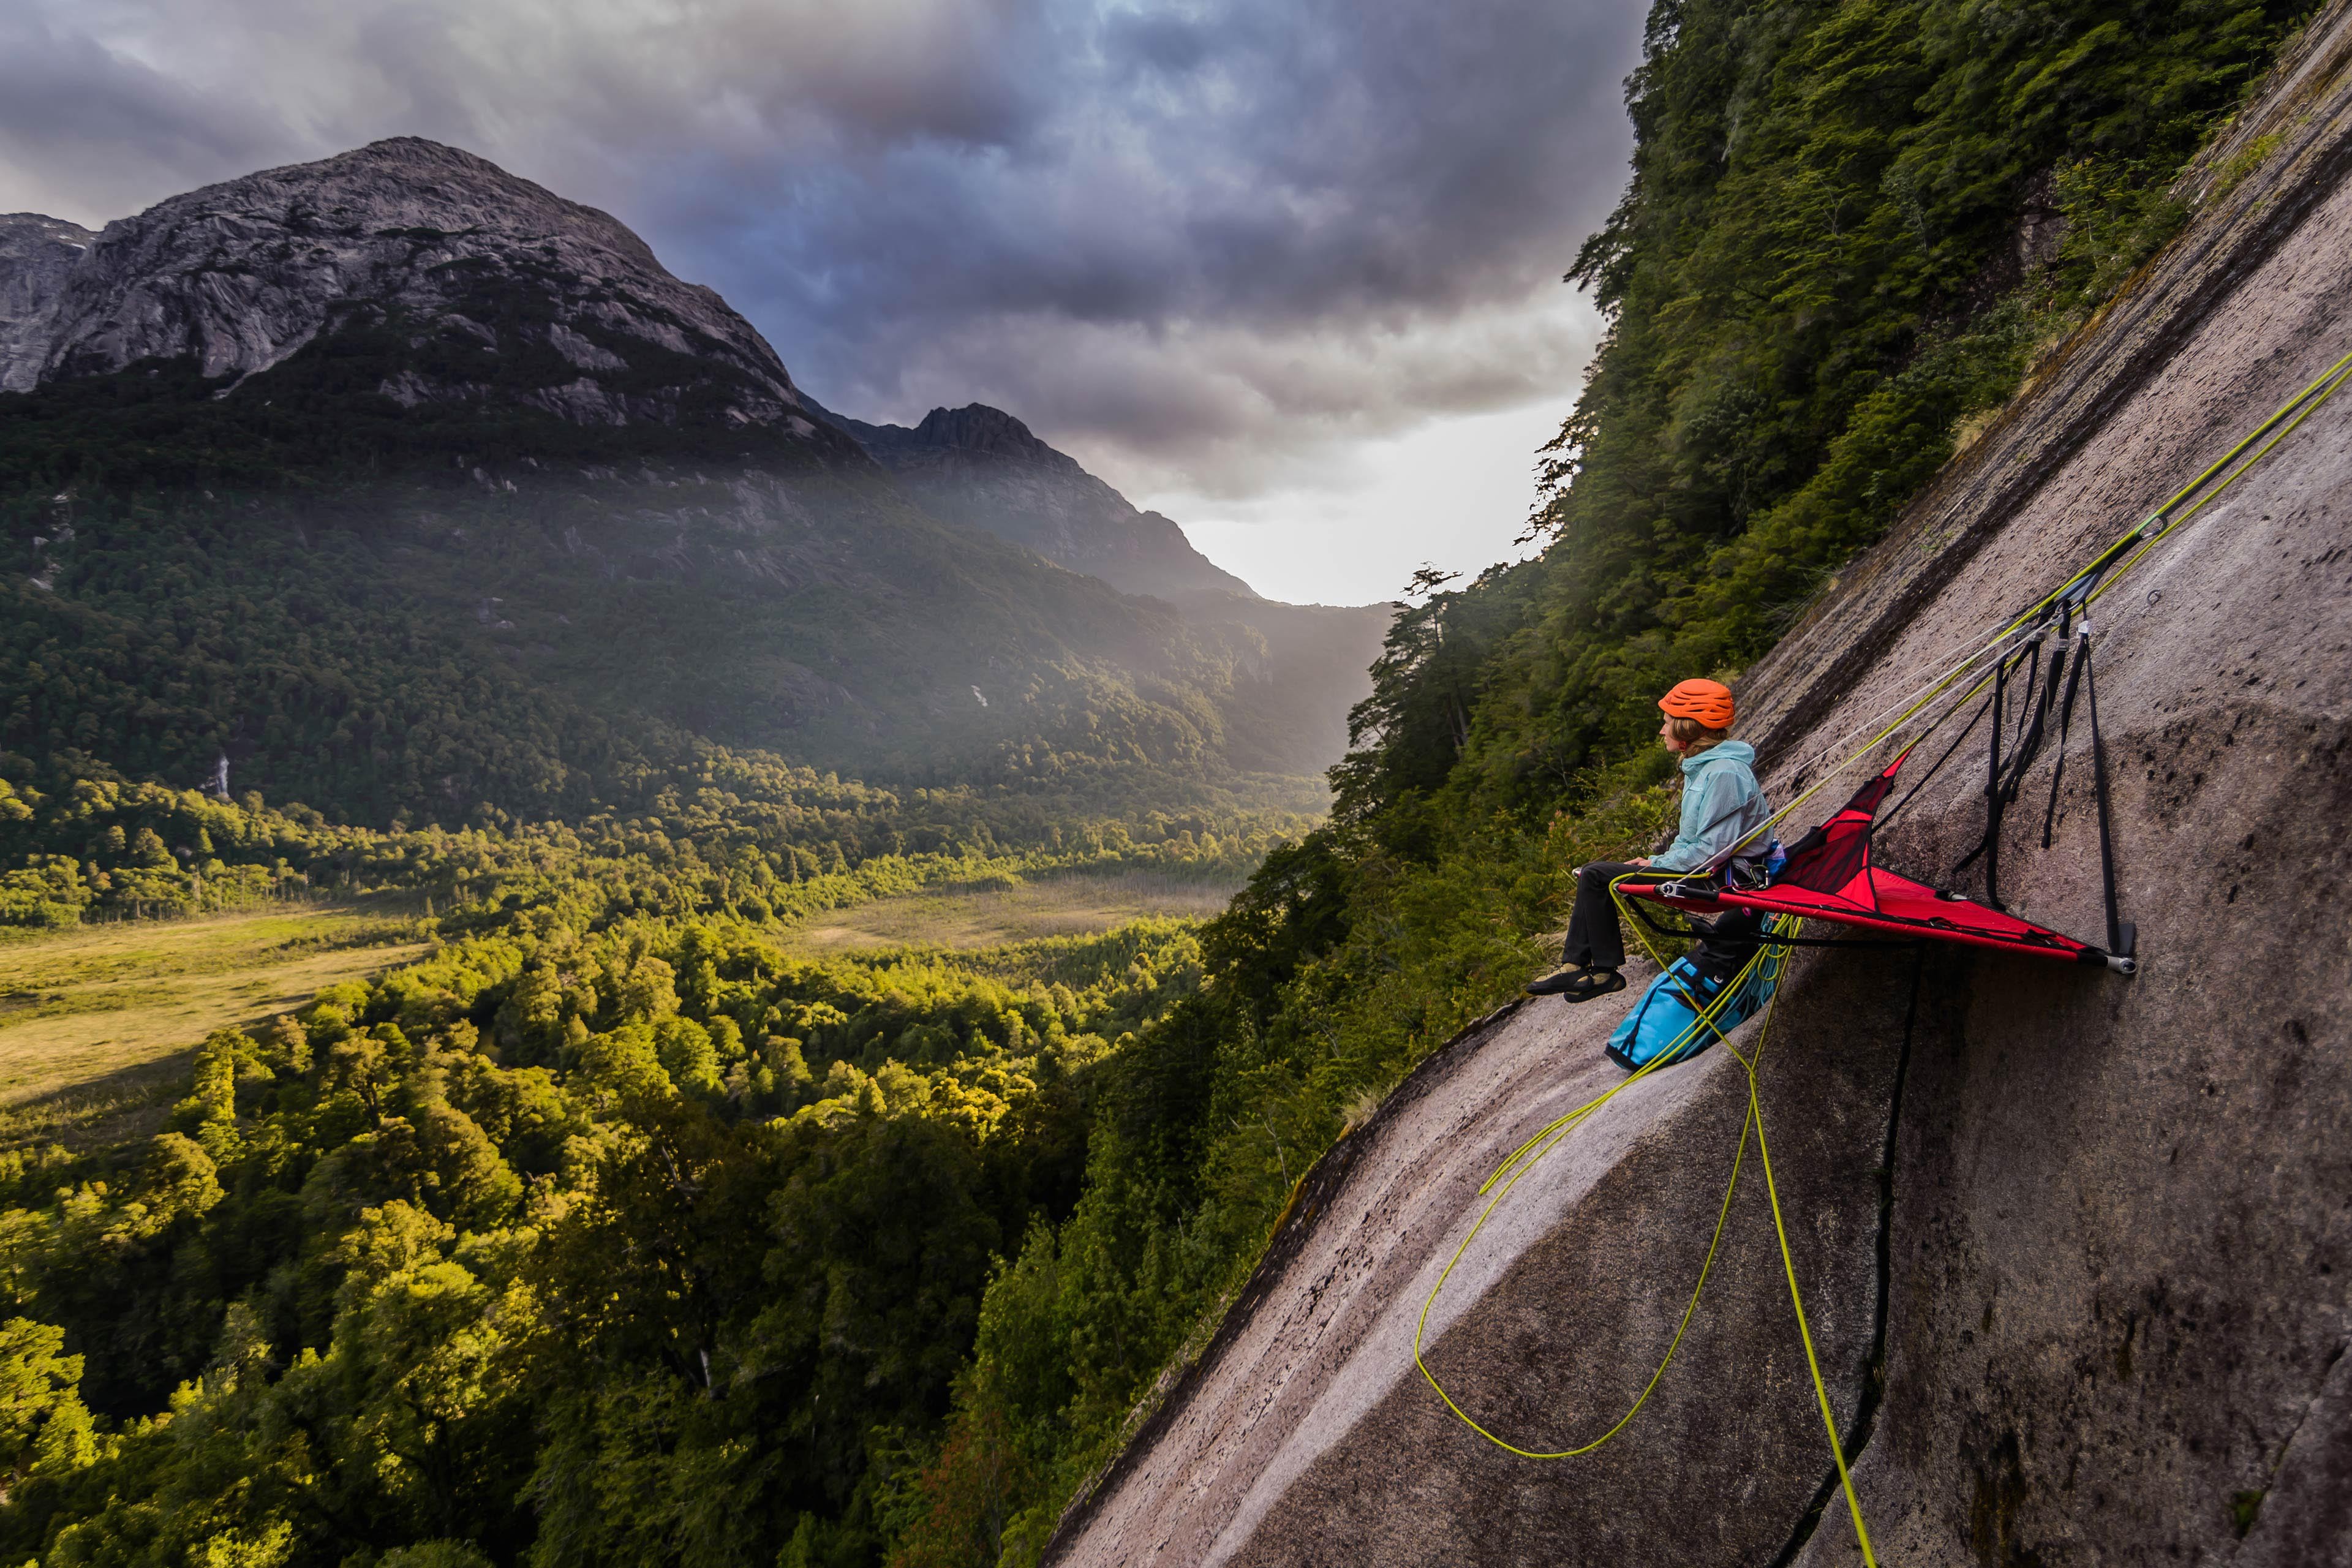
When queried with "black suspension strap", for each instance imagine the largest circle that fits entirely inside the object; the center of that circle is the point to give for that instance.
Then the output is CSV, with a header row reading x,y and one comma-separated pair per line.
x,y
2027,745
2005,776
1966,730
1997,789
2065,727
2121,935
1991,844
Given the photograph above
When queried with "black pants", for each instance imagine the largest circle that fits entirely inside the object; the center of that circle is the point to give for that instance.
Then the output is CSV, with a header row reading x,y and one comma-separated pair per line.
x,y
1597,941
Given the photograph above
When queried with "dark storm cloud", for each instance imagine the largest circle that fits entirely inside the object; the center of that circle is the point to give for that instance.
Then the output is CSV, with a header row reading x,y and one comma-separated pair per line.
x,y
1371,189
1221,237
87,125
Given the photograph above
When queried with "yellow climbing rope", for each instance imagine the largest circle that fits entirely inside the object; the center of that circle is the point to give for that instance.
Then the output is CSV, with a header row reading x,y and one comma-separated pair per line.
x,y
1521,1160
1764,967
1796,1297
2282,422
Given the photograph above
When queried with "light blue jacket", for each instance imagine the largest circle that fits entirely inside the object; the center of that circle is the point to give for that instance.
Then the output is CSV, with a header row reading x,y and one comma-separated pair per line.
x,y
1721,803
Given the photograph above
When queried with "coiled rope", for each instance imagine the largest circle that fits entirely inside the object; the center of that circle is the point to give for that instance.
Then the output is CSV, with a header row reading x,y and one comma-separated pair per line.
x,y
1764,967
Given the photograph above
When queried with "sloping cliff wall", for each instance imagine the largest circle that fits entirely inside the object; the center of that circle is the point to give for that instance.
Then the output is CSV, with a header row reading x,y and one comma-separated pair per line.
x,y
2075,1249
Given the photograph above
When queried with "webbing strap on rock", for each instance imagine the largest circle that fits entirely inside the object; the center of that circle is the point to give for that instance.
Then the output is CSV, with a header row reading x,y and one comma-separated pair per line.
x,y
1990,845
2065,728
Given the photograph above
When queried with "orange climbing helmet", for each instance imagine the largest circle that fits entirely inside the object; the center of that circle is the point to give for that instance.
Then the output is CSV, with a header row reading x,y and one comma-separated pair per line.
x,y
1709,701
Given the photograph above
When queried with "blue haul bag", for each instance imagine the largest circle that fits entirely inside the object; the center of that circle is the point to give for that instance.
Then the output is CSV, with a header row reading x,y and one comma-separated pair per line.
x,y
1666,1026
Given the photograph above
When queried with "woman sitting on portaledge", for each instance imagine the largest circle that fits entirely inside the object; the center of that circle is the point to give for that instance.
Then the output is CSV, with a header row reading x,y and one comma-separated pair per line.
x,y
1722,804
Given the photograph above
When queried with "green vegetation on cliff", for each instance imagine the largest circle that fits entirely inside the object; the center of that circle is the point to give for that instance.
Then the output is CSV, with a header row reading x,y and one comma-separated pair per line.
x,y
1850,229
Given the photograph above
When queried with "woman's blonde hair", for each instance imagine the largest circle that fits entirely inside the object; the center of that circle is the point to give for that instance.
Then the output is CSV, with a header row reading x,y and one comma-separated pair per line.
x,y
1695,736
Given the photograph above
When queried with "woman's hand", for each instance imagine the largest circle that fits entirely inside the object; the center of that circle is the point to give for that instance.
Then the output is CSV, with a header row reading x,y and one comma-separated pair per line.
x,y
1644,860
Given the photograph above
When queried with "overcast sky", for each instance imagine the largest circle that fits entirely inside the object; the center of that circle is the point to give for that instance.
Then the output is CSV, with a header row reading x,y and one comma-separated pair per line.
x,y
1288,270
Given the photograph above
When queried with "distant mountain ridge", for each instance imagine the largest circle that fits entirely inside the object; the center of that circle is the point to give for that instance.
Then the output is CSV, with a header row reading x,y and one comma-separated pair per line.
x,y
982,467
410,486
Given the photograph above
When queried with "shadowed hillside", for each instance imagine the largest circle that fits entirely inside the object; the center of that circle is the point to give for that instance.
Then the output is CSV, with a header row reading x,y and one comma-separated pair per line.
x,y
1307,663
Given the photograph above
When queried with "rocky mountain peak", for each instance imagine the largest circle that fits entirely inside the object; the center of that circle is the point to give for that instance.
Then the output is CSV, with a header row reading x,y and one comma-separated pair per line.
x,y
980,467
979,428
468,282
35,254
28,241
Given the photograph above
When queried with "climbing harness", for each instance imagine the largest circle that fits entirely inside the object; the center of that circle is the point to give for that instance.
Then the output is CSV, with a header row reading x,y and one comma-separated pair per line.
x,y
1829,876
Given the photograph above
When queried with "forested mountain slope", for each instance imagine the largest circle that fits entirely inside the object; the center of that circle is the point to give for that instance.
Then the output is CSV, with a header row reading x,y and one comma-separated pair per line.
x,y
980,467
1850,228
407,486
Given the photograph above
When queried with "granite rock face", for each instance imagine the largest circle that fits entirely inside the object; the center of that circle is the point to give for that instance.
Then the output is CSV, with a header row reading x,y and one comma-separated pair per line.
x,y
36,253
1306,1435
980,467
2122,1229
475,284
2074,1248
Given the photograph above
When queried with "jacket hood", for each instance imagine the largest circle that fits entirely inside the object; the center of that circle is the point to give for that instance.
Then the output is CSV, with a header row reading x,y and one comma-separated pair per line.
x,y
1739,751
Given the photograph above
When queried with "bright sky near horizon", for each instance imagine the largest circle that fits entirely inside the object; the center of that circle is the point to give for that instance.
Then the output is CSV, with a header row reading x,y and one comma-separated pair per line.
x,y
1286,270
1451,493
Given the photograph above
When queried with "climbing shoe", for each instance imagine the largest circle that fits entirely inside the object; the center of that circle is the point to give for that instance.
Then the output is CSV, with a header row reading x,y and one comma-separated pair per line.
x,y
1577,984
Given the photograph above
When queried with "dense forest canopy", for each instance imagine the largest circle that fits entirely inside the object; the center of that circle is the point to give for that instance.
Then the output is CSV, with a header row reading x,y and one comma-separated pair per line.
x,y
608,1233
790,844
561,1244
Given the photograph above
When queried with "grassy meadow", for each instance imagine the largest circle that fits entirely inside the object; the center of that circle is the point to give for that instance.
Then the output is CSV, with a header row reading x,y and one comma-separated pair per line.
x,y
98,1022
1006,911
